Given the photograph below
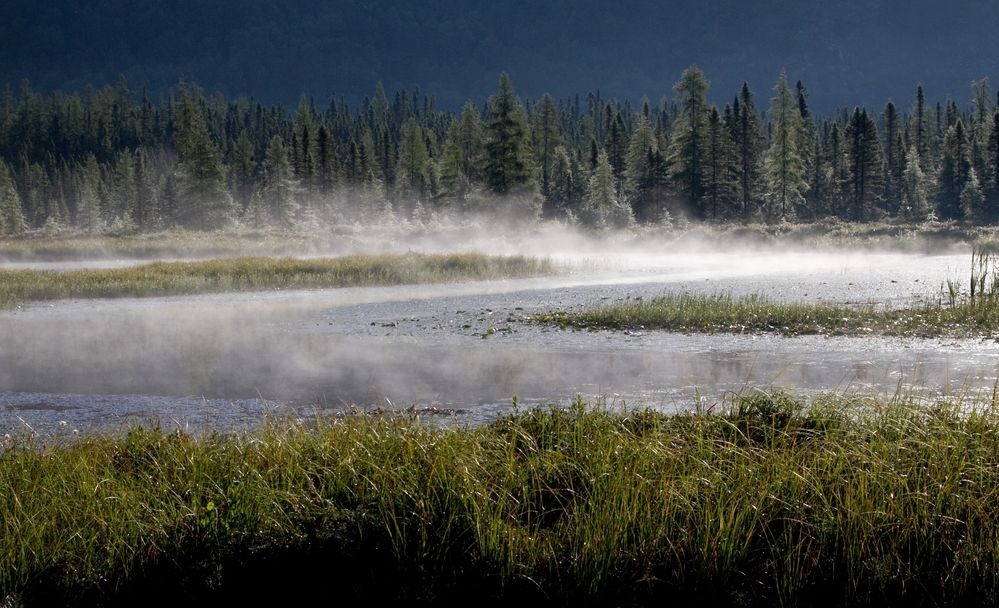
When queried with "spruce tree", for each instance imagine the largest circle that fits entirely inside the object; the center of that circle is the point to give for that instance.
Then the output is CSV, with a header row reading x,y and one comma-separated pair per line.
x,y
954,171
916,191
864,164
278,193
639,173
564,188
547,135
919,130
603,208
992,151
687,146
412,174
784,166
88,212
11,214
895,162
616,147
748,147
205,203
325,160
509,168
721,186
244,170
972,199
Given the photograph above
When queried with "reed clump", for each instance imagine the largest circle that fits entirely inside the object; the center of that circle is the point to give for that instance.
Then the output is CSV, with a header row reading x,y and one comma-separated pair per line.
x,y
767,499
259,273
958,312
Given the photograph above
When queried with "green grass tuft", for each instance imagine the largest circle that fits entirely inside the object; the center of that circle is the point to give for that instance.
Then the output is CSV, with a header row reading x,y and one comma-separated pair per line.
x,y
770,499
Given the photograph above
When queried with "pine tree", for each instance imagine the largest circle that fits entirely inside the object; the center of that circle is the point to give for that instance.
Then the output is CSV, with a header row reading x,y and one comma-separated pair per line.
x,y
244,170
864,164
547,135
915,196
603,208
972,199
895,162
919,130
807,145
954,171
564,191
509,168
412,175
992,151
639,173
616,147
143,212
278,194
205,201
325,160
981,126
11,214
721,186
687,147
88,213
748,147
784,166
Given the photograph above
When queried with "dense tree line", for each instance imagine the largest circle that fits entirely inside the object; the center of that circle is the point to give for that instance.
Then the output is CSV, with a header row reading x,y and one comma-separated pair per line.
x,y
111,160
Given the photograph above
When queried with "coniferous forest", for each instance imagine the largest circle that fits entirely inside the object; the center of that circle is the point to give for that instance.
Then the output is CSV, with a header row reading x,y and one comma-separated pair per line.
x,y
112,160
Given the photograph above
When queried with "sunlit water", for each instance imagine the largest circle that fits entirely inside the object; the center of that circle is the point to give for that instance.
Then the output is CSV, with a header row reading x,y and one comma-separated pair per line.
x,y
460,353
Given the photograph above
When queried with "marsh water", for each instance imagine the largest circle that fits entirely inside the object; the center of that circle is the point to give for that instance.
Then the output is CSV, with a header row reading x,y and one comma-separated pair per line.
x,y
461,353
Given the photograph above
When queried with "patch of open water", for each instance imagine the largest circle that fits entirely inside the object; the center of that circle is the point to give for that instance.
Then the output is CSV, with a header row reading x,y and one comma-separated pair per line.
x,y
225,361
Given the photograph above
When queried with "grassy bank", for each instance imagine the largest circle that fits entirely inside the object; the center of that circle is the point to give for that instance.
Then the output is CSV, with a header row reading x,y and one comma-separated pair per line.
x,y
773,501
241,274
686,237
971,311
759,314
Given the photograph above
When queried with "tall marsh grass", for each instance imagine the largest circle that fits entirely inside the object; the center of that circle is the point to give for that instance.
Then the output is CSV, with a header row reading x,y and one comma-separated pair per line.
x,y
768,500
959,312
255,273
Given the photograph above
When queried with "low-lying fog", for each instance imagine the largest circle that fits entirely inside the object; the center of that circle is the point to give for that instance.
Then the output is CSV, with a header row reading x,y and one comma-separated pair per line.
x,y
222,361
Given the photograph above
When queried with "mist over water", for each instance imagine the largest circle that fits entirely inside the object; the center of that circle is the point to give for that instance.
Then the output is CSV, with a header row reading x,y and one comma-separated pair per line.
x,y
224,361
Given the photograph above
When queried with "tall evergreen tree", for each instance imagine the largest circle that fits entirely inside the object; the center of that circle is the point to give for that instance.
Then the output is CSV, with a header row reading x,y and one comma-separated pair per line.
x,y
992,181
919,130
566,188
278,194
972,199
12,220
894,159
205,201
916,192
640,171
603,208
616,147
412,175
325,160
687,146
88,211
784,165
748,147
509,168
721,186
865,165
547,135
244,170
954,171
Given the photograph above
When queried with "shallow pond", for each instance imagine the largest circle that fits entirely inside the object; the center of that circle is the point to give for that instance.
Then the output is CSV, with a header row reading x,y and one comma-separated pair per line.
x,y
460,352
